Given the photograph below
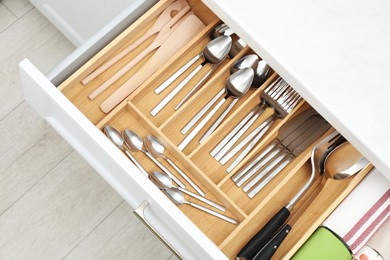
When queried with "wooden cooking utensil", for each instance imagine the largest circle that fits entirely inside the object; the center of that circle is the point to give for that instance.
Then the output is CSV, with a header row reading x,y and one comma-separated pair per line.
x,y
157,42
163,19
186,31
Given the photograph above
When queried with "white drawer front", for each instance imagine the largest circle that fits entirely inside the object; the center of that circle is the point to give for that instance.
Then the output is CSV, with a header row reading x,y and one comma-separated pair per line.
x,y
114,167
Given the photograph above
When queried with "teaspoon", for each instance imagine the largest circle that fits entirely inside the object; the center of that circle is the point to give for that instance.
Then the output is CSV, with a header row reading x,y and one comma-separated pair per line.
x,y
134,142
178,198
214,52
236,86
157,149
117,139
163,181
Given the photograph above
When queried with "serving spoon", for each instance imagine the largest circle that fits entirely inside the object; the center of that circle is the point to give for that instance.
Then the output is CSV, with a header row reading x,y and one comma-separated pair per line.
x,y
178,198
236,86
214,52
163,181
117,139
342,162
134,142
157,149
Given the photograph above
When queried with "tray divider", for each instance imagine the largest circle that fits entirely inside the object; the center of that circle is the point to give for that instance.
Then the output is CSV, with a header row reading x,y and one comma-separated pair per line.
x,y
201,177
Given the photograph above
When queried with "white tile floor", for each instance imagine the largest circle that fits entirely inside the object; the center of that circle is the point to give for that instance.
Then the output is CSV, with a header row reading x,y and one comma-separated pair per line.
x,y
52,204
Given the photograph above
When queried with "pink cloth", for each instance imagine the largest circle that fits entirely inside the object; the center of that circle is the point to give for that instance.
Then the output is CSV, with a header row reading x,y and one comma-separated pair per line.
x,y
364,210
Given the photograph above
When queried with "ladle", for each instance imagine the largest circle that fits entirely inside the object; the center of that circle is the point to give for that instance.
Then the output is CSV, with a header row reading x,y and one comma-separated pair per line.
x,y
236,86
178,198
214,52
134,142
157,149
163,181
117,139
343,162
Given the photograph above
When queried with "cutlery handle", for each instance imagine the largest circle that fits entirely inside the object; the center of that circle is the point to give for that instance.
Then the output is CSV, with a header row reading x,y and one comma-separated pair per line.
x,y
131,157
207,201
263,128
212,212
197,86
199,127
264,235
164,169
172,78
193,185
237,132
195,119
218,121
174,92
270,248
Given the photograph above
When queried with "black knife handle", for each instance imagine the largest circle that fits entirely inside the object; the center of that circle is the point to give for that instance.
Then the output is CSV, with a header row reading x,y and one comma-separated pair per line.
x,y
270,248
264,235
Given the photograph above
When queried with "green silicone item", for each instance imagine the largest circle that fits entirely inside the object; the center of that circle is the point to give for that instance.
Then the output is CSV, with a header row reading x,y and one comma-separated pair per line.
x,y
323,245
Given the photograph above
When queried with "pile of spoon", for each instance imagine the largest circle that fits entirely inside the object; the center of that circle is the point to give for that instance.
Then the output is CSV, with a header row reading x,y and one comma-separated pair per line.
x,y
164,179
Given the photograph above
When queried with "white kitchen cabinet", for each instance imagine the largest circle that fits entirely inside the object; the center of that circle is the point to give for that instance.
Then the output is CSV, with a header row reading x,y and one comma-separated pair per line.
x,y
192,234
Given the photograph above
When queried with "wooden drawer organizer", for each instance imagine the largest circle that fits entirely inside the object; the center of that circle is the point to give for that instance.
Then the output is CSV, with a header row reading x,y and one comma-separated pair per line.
x,y
133,113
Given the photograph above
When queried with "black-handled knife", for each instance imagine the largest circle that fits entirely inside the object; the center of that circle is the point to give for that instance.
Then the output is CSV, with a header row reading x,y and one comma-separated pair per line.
x,y
270,248
264,235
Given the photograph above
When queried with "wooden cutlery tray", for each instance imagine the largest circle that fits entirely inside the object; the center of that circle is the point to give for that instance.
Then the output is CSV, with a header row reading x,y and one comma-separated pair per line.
x,y
210,175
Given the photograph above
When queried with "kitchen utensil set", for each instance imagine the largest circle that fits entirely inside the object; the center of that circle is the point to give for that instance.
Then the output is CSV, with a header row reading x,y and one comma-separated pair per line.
x,y
266,241
154,149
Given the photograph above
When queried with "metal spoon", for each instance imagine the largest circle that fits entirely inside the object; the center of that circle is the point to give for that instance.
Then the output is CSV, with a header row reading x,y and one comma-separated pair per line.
x,y
342,162
178,198
117,139
236,86
244,62
134,142
248,61
261,75
217,31
214,52
163,181
157,149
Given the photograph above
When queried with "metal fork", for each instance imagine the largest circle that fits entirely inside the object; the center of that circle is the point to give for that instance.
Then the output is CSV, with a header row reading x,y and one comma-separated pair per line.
x,y
272,92
283,99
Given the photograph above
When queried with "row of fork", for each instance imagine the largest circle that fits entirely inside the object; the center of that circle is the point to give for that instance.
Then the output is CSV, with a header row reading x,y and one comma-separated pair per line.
x,y
280,97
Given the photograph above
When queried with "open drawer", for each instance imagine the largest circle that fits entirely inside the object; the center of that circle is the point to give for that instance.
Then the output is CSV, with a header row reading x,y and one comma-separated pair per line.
x,y
191,233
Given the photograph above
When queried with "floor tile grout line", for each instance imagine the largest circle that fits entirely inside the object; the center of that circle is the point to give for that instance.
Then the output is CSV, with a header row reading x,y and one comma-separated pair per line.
x,y
12,110
37,182
17,18
92,230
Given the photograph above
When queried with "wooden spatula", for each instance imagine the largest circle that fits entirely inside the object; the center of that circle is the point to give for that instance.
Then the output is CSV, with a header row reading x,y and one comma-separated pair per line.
x,y
157,42
185,32
163,19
